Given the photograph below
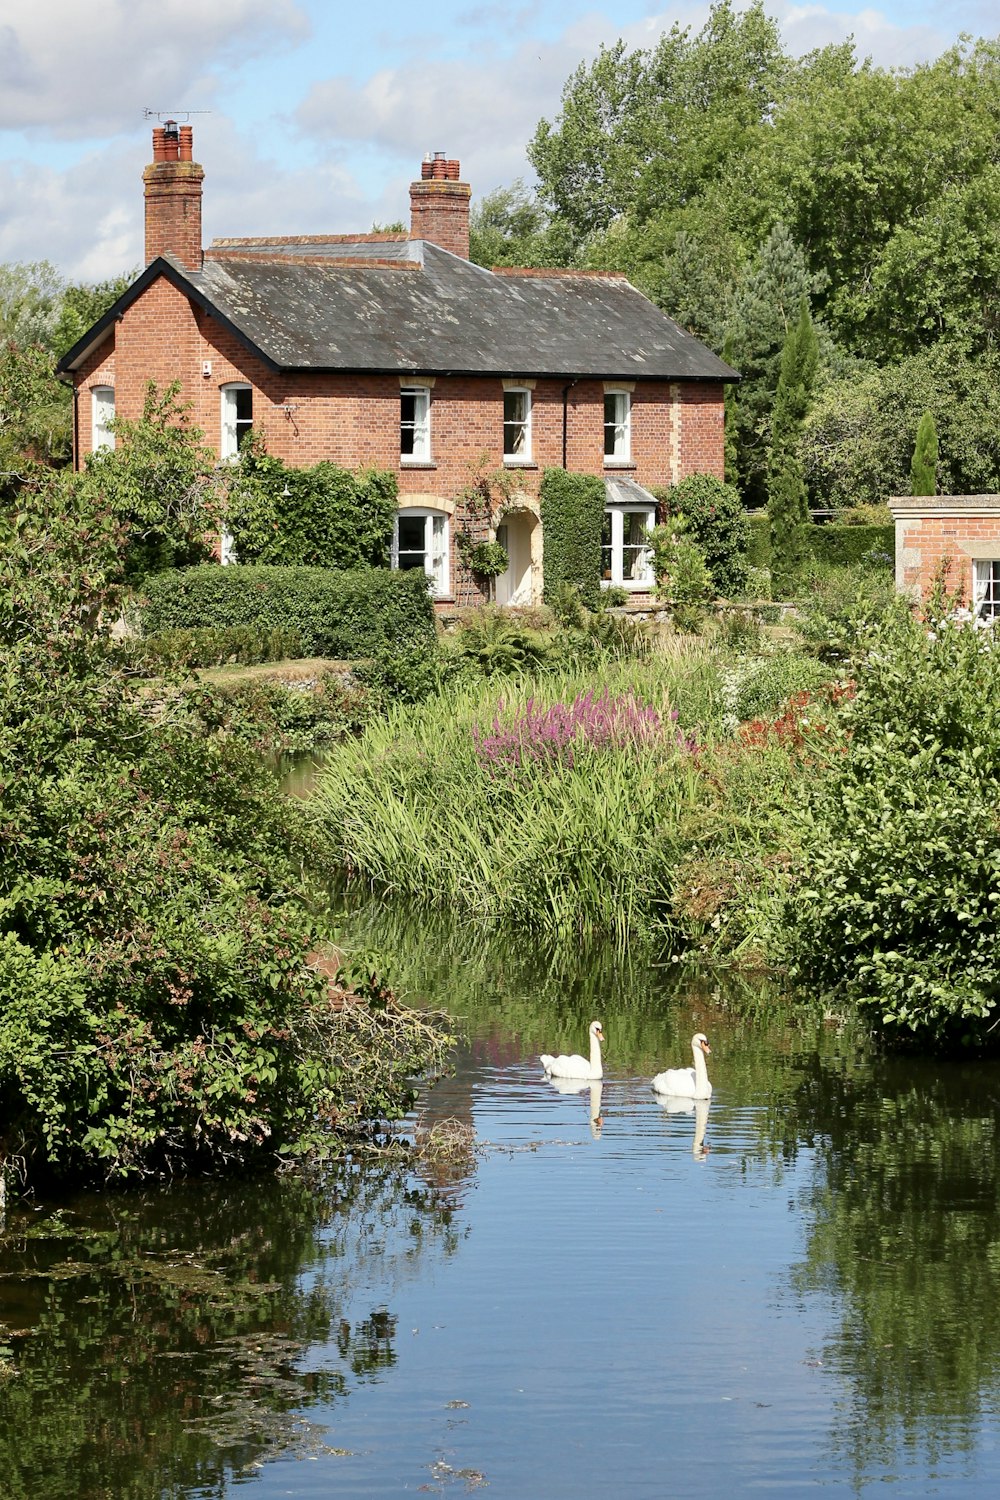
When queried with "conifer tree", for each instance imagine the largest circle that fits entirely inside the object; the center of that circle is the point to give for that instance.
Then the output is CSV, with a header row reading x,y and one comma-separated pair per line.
x,y
786,491
923,465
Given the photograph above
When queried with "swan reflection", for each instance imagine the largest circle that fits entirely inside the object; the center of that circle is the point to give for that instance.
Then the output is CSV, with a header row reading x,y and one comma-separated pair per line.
x,y
579,1086
675,1105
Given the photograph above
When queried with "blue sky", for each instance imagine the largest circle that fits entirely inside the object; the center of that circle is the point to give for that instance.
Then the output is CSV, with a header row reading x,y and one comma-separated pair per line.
x,y
312,116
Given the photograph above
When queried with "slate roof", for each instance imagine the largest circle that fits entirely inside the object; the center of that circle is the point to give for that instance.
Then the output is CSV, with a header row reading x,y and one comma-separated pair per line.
x,y
382,305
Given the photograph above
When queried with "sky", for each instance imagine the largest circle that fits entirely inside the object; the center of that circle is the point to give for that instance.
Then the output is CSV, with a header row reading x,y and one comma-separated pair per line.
x,y
313,116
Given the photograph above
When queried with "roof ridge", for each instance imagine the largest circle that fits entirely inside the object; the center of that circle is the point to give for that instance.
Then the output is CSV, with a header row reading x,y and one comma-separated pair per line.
x,y
328,262
557,271
399,238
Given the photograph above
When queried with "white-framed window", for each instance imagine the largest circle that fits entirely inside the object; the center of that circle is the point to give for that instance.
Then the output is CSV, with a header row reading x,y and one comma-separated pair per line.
x,y
415,424
517,425
617,427
102,411
237,418
420,540
626,556
986,588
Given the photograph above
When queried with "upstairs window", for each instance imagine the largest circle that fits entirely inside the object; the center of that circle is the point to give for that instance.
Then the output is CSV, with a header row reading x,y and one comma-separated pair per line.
x,y
102,411
617,427
414,424
626,556
517,425
237,418
420,540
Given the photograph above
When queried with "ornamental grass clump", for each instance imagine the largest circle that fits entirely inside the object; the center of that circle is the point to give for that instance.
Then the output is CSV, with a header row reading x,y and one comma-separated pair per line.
x,y
556,735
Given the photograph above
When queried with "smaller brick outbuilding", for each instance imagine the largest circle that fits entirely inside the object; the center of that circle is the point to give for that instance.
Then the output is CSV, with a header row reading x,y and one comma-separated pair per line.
x,y
396,351
954,539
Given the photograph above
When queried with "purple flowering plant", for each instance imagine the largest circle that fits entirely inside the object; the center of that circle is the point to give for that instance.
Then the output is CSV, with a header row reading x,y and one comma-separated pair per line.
x,y
555,736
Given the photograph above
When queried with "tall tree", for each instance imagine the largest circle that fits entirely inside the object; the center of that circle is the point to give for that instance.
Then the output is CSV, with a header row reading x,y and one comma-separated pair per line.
x,y
786,491
923,465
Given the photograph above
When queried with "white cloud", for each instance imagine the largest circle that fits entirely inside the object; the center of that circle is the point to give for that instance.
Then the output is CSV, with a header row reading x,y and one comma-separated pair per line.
x,y
89,70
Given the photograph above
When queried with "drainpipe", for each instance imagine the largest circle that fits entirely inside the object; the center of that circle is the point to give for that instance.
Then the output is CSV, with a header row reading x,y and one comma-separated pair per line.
x,y
565,395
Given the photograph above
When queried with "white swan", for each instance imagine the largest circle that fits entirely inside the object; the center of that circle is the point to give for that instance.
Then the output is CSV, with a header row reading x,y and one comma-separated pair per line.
x,y
688,1083
577,1066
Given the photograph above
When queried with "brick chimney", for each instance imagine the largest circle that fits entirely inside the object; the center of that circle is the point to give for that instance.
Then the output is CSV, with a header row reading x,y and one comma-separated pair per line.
x,y
173,197
439,205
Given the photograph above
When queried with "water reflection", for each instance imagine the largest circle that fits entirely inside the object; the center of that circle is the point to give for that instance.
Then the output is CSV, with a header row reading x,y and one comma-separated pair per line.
x,y
673,1105
594,1089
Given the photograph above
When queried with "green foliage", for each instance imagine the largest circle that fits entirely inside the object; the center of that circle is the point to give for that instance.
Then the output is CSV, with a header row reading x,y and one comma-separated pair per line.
x,y
35,416
509,227
277,718
486,559
857,441
786,495
323,517
896,898
572,513
759,541
923,465
681,575
716,520
842,605
208,646
761,687
158,1009
340,615
844,546
160,481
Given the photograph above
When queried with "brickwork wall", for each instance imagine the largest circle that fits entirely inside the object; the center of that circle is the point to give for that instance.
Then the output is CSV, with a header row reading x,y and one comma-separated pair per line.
x,y
927,544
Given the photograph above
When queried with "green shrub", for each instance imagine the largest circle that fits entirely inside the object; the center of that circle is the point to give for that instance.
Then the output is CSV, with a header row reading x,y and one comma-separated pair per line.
x,y
759,542
718,523
572,513
761,688
209,646
323,517
895,903
843,545
338,615
841,605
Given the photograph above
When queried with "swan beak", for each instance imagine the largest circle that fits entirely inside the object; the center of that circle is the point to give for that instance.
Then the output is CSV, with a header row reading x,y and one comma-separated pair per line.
x,y
706,1048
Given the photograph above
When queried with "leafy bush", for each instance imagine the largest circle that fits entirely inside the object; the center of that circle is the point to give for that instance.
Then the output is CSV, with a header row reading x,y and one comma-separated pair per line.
x,y
760,688
339,615
717,521
759,540
896,898
209,646
842,545
841,605
324,517
277,717
572,513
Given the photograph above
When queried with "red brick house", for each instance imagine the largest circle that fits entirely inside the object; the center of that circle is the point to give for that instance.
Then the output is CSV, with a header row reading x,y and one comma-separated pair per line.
x,y
396,351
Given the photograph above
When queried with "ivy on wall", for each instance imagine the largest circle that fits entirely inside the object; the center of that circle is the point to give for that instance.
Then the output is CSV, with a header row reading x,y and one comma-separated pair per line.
x,y
572,511
323,517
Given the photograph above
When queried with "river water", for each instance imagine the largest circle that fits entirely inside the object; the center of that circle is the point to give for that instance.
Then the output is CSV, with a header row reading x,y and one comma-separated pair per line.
x,y
560,1293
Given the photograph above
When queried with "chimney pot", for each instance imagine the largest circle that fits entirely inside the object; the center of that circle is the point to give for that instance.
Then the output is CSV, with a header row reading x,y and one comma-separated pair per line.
x,y
439,205
173,197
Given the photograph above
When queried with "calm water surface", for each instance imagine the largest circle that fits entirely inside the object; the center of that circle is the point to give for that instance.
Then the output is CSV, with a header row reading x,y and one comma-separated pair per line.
x,y
794,1290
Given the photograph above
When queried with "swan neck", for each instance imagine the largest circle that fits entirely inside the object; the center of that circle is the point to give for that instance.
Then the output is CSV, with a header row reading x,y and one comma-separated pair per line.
x,y
595,1056
700,1067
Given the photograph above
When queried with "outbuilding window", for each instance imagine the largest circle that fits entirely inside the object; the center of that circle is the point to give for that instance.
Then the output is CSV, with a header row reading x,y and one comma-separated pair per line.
x,y
986,588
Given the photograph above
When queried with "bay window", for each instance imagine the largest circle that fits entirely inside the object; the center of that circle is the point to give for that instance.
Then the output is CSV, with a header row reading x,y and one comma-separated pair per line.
x,y
626,556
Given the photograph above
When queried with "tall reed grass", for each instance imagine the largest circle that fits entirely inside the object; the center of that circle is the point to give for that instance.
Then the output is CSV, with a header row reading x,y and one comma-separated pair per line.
x,y
453,803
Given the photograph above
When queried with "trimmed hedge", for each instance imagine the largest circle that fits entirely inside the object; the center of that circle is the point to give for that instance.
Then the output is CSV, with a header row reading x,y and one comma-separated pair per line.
x,y
209,646
851,544
840,545
572,512
338,614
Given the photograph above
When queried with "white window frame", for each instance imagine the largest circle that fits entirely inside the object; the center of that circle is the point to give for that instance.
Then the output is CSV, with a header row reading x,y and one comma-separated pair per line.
x,y
517,430
233,428
102,412
617,427
419,428
435,549
986,588
644,577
